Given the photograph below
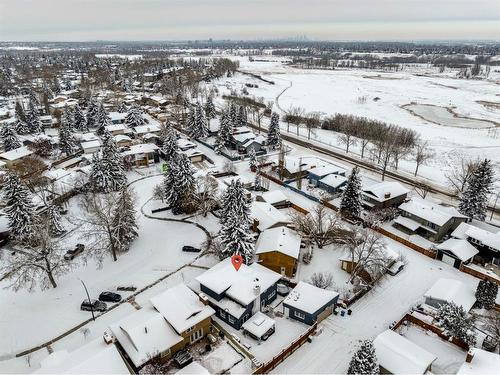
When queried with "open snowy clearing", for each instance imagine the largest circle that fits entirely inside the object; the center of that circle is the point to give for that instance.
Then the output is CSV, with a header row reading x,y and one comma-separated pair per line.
x,y
355,92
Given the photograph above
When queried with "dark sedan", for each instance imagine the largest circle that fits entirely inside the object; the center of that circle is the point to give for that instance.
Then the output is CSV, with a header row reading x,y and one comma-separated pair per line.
x,y
110,297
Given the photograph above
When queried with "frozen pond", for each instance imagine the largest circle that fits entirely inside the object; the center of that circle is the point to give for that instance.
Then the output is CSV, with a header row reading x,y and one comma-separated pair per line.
x,y
442,116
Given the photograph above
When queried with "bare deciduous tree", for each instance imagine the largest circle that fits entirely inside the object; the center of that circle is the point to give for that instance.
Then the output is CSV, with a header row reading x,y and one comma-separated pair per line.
x,y
206,195
421,154
322,280
460,172
320,226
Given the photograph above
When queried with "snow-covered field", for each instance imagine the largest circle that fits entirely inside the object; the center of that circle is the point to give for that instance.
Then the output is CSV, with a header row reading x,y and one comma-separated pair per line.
x,y
354,91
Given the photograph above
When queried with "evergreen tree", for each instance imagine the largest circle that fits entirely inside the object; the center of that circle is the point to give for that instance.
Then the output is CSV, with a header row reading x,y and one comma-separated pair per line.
x,y
252,159
125,228
235,223
67,141
33,116
102,120
455,322
201,127
486,294
9,138
20,114
122,108
99,177
80,122
273,134
474,200
18,207
21,127
92,112
170,147
179,184
191,124
242,116
113,162
364,361
53,214
134,117
224,132
350,205
68,118
210,112
233,115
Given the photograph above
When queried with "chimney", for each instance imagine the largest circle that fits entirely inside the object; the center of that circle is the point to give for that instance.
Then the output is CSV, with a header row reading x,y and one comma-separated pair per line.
x,y
145,329
256,291
203,298
470,355
387,195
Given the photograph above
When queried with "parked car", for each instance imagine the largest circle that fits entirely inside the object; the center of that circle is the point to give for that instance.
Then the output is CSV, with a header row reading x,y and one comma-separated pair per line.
x,y
191,249
110,297
93,304
396,268
71,254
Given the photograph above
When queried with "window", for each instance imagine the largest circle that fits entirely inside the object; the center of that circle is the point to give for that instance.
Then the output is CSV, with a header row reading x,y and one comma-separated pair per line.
x,y
299,314
189,329
222,314
271,295
231,319
165,353
195,336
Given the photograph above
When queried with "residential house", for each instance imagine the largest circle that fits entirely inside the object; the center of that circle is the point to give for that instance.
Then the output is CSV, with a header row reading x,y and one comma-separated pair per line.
x,y
195,156
141,155
95,357
16,156
185,312
317,173
91,147
47,121
308,303
333,183
398,355
116,129
185,145
428,219
266,216
143,130
384,194
275,198
117,118
145,335
295,167
278,249
484,237
253,143
236,295
123,140
480,362
450,290
456,252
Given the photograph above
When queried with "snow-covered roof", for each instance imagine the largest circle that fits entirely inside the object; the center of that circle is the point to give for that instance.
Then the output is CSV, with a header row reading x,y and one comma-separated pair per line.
x,y
267,215
430,211
184,144
462,249
325,170
308,298
398,355
122,138
258,324
243,137
407,223
117,116
450,290
142,148
16,154
150,128
483,363
84,137
385,190
144,334
181,307
294,164
274,196
93,358
91,144
489,239
281,239
239,285
244,180
334,180
194,368
115,127
241,130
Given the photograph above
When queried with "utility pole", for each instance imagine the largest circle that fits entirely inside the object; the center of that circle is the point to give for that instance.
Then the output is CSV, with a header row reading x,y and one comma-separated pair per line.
x,y
90,302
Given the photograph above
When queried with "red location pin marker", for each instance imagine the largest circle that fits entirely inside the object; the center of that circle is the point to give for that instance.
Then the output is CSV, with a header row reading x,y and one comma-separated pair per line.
x,y
237,261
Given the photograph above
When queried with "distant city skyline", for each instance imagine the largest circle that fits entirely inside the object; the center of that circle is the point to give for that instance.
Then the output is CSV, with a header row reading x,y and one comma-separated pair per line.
x,y
154,20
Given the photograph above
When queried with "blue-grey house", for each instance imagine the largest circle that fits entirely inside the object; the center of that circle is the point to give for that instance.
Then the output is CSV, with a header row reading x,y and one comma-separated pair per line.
x,y
317,173
237,295
308,304
333,183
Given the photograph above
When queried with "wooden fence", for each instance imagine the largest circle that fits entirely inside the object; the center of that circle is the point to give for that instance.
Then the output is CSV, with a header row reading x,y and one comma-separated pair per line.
x,y
285,353
480,275
411,245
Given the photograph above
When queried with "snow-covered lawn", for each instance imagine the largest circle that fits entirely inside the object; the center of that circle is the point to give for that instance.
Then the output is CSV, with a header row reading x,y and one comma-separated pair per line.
x,y
222,359
29,319
332,349
449,356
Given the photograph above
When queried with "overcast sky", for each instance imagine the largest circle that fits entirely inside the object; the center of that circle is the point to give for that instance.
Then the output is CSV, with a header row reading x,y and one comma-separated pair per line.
x,y
83,20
